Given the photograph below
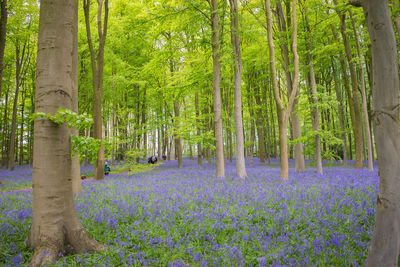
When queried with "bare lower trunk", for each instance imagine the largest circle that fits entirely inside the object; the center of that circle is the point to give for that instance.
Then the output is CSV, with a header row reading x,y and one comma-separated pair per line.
x,y
283,114
298,147
385,245
219,142
259,123
341,116
357,119
3,31
199,149
283,151
364,97
97,63
55,224
314,100
240,161
178,145
75,169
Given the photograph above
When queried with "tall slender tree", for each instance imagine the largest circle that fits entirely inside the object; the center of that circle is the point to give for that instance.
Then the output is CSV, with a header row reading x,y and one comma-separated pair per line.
x,y
219,141
55,224
283,113
3,31
97,63
295,119
385,245
239,151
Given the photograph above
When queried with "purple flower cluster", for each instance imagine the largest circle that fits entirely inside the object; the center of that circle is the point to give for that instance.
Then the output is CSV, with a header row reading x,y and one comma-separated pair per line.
x,y
181,217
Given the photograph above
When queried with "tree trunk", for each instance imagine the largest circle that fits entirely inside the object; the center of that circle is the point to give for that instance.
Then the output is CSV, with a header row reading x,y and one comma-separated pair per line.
x,y
219,142
252,127
97,63
259,123
199,149
3,33
364,97
55,224
314,97
283,114
5,131
178,145
21,131
385,245
239,151
298,147
357,122
341,116
18,66
75,167
348,93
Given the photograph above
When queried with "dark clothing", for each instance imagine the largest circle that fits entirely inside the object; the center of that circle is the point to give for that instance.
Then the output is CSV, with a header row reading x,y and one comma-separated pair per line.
x,y
152,160
107,169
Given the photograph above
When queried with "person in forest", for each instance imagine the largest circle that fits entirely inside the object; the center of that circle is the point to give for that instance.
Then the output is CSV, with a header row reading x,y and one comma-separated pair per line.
x,y
164,157
152,159
107,169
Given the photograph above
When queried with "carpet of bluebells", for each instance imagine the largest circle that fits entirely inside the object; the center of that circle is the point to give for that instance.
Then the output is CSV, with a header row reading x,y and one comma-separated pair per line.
x,y
186,217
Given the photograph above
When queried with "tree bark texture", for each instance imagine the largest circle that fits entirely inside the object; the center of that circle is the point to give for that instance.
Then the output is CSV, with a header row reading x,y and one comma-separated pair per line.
x,y
357,122
341,116
259,124
198,121
76,168
314,97
219,142
178,145
364,97
239,151
97,62
385,245
55,223
298,147
3,33
283,114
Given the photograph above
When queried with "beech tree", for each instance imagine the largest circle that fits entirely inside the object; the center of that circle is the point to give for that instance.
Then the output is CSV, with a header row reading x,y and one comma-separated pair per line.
x,y
97,64
240,163
283,113
3,30
55,224
219,141
385,245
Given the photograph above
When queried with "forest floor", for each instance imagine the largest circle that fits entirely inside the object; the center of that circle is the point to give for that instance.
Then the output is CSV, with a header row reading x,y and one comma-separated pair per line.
x,y
185,217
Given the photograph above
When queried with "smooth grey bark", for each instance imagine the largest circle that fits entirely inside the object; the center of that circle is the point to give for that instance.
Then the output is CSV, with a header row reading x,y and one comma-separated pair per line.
x,y
283,113
239,151
385,244
353,95
219,142
21,58
177,139
97,63
259,124
364,97
55,226
198,121
314,99
295,119
3,33
76,168
341,115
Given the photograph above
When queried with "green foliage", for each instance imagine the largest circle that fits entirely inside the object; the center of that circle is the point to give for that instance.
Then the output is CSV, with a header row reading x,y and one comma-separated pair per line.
x,y
72,119
85,147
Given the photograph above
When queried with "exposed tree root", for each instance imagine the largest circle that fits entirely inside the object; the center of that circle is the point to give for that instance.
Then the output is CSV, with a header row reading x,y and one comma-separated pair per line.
x,y
47,250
